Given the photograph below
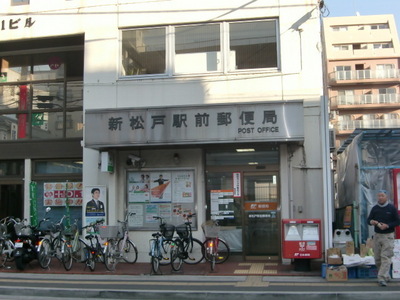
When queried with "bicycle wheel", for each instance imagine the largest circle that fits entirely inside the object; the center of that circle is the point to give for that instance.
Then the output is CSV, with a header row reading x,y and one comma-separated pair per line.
x,y
110,256
166,252
3,253
78,253
44,255
66,250
90,259
195,252
223,252
129,252
9,249
56,246
155,256
176,255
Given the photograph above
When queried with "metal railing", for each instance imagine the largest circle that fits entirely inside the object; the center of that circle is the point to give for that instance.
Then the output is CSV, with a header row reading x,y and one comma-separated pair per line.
x,y
366,99
378,123
365,74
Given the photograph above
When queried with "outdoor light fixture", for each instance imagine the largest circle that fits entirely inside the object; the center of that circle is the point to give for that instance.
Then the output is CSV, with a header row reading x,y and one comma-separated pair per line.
x,y
245,150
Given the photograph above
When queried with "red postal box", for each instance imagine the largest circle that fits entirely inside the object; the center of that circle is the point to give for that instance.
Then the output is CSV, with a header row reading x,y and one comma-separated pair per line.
x,y
301,238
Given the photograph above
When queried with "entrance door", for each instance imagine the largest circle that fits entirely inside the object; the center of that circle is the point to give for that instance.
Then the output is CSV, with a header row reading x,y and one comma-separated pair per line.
x,y
261,214
11,200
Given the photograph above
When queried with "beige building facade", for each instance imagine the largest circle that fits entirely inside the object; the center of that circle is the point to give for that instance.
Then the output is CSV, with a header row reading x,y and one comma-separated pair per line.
x,y
363,76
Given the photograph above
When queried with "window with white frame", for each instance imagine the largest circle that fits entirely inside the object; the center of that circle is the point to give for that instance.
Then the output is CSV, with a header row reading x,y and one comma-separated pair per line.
x,y
200,48
383,45
19,2
380,26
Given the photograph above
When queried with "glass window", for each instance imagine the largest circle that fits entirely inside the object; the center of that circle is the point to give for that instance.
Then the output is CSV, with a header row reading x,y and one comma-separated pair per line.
x,y
15,68
14,97
143,51
58,167
74,124
74,94
197,48
13,168
45,96
48,66
253,45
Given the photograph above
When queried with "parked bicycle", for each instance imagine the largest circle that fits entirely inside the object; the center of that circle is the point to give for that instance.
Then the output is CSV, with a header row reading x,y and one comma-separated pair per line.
x,y
93,251
160,245
72,240
7,238
54,245
118,246
216,250
186,248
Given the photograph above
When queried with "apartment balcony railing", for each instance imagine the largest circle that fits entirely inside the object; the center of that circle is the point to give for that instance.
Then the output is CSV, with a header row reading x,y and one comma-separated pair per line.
x,y
357,75
379,123
357,100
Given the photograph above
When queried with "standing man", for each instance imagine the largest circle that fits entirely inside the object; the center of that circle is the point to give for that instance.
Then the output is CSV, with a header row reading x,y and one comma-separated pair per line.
x,y
384,218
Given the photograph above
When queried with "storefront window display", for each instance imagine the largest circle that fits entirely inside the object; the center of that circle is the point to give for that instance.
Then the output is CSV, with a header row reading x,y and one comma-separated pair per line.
x,y
165,193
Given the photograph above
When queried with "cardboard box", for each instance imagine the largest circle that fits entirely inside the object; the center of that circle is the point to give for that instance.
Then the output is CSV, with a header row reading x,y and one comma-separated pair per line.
x,y
336,273
334,256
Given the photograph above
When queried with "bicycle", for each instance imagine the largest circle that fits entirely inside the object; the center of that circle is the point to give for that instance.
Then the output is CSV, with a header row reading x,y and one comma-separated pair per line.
x,y
7,238
185,248
216,250
93,251
118,248
55,246
160,245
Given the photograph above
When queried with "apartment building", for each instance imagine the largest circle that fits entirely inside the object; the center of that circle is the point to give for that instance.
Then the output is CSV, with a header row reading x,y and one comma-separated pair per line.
x,y
363,56
167,108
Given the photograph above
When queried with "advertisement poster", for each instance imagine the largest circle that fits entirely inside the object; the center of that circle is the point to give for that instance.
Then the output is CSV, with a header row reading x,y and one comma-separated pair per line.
x,y
160,187
138,187
56,193
222,204
95,203
168,194
182,187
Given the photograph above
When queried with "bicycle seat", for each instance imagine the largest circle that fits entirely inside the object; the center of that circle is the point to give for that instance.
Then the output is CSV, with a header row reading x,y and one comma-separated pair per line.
x,y
157,234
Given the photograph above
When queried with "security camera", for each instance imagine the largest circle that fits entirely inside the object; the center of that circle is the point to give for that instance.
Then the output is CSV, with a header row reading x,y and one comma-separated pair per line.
x,y
134,157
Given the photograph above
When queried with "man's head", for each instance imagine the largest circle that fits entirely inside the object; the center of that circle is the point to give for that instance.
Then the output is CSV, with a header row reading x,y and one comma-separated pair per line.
x,y
382,197
96,193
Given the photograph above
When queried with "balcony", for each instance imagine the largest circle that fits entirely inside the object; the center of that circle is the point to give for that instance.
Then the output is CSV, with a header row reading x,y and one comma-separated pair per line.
x,y
377,123
365,101
364,77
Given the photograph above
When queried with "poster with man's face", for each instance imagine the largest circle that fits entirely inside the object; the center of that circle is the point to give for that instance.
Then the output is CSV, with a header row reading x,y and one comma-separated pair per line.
x,y
95,204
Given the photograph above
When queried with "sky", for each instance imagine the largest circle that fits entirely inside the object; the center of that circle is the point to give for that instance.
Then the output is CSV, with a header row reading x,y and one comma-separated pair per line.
x,y
346,8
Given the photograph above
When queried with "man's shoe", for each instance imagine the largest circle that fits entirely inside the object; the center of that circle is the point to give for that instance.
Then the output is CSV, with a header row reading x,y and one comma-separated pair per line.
x,y
382,283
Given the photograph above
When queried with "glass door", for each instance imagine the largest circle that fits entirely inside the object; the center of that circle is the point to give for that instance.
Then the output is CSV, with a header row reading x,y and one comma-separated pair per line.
x,y
261,231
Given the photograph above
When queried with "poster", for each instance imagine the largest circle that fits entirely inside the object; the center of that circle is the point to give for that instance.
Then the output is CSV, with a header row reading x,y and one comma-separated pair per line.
x,y
182,187
160,187
222,203
95,203
138,187
170,196
56,193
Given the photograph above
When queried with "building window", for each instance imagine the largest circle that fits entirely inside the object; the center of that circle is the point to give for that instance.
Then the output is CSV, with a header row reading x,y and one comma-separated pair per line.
x,y
383,45
41,94
200,48
19,2
343,72
341,47
380,26
339,28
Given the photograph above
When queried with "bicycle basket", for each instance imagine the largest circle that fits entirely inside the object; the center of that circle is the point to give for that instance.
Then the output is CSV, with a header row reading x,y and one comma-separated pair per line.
x,y
182,231
21,229
108,232
210,230
167,230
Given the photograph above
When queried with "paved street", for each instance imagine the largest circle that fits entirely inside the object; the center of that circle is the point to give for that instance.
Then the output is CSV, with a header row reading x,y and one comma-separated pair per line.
x,y
193,282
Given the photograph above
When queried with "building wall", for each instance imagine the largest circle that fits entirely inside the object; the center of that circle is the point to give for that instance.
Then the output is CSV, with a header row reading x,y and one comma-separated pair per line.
x,y
299,77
